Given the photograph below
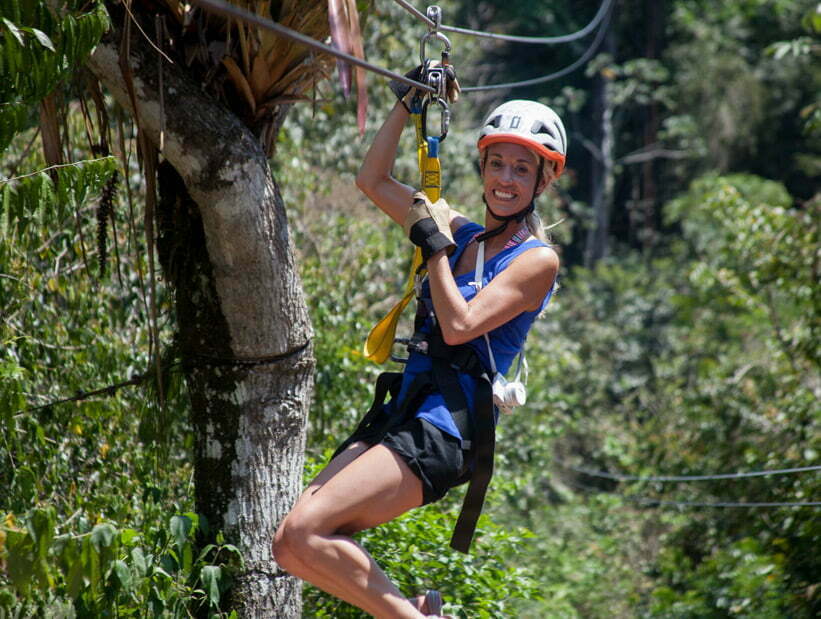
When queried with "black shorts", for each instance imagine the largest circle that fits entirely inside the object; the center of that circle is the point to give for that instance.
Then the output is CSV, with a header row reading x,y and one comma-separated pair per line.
x,y
435,457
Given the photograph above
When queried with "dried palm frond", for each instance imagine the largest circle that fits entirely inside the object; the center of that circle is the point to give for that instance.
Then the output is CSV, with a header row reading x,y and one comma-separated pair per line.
x,y
253,70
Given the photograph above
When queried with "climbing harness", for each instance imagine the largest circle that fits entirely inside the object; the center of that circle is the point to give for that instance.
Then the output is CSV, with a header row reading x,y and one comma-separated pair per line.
x,y
478,431
380,340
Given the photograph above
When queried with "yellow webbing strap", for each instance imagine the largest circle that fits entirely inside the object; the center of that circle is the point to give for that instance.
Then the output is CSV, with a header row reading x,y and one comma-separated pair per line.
x,y
379,343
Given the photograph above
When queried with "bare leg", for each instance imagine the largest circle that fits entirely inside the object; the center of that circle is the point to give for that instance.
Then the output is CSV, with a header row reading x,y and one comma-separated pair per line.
x,y
296,565
312,543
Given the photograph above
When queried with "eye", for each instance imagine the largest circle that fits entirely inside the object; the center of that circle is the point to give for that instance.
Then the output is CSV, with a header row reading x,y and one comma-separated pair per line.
x,y
522,170
495,163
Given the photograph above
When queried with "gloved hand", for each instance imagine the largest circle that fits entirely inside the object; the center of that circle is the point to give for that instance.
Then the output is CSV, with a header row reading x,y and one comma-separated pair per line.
x,y
405,92
427,225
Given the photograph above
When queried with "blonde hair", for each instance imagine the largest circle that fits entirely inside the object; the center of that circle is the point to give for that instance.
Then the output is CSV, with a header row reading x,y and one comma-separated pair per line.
x,y
532,220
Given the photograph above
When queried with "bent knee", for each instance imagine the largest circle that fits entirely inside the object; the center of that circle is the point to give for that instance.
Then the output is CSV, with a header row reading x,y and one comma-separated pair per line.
x,y
282,545
292,541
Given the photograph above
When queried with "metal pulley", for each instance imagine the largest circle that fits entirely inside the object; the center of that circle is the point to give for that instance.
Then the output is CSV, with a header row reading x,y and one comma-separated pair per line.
x,y
435,76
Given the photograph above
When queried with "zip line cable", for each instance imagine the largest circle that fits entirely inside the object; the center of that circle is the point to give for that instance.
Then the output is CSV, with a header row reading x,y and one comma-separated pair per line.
x,y
647,501
557,74
684,478
567,38
664,503
223,8
227,10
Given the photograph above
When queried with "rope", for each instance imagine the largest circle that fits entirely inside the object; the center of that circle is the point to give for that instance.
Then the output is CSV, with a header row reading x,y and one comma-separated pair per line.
x,y
567,38
108,391
3,181
561,72
207,360
684,478
223,8
203,361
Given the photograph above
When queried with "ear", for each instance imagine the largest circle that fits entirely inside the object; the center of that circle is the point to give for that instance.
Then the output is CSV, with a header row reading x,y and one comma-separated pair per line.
x,y
547,176
542,183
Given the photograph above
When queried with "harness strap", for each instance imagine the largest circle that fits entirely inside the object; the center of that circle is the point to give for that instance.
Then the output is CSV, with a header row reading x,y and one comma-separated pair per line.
x,y
478,432
385,382
484,445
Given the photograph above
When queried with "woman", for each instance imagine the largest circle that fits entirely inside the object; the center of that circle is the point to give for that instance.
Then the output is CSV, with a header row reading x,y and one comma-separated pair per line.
x,y
412,453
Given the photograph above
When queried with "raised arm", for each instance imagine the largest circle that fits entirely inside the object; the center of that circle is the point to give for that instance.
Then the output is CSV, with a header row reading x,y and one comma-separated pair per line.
x,y
375,178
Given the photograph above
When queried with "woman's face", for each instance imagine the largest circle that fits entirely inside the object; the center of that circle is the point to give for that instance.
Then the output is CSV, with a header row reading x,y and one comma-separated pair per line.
x,y
510,175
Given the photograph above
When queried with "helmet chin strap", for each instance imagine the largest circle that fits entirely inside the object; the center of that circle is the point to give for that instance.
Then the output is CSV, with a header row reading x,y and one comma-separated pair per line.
x,y
506,219
517,217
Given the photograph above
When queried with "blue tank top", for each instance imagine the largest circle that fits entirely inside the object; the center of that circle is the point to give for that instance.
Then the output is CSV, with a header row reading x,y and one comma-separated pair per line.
x,y
506,340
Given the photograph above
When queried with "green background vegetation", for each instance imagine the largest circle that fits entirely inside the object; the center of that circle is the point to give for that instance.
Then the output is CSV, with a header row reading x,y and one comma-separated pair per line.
x,y
690,348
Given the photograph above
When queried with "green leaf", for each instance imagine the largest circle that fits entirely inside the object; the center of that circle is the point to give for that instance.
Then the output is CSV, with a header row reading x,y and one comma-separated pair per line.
x,y
180,527
45,41
20,558
210,576
102,536
75,579
122,574
139,562
15,31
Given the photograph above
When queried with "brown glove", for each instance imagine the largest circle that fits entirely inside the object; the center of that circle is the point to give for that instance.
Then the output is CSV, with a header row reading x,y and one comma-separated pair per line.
x,y
427,225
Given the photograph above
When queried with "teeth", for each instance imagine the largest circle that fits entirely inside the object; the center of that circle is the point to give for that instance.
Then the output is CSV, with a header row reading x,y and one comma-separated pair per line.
x,y
503,195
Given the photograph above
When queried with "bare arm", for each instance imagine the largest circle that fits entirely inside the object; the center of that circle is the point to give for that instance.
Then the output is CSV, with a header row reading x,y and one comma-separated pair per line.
x,y
375,179
519,288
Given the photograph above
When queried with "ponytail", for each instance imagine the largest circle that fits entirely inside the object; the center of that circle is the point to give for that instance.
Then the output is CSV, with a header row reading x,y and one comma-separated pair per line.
x,y
533,221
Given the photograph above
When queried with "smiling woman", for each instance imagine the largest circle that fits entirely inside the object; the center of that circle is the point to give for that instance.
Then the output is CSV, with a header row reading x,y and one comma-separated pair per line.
x,y
485,287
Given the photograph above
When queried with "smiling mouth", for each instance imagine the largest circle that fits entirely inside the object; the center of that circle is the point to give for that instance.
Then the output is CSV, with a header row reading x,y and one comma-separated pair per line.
x,y
503,195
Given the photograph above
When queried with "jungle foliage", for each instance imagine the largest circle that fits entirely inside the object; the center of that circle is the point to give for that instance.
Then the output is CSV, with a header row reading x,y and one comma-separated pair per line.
x,y
691,348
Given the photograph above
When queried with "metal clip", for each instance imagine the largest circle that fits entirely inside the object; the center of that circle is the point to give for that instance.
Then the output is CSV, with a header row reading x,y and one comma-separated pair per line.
x,y
397,358
432,35
444,123
415,344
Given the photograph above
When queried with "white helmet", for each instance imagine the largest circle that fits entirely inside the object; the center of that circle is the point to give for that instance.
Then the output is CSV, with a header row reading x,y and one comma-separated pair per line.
x,y
530,124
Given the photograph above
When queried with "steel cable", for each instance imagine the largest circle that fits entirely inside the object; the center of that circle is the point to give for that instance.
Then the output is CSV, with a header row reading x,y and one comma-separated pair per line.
x,y
649,502
557,74
227,10
686,478
555,40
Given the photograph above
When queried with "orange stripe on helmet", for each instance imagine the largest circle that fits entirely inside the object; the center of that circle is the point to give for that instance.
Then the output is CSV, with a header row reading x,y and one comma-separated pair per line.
x,y
539,149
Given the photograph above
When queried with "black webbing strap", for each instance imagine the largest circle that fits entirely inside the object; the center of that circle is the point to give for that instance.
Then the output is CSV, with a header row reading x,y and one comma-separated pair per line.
x,y
447,383
478,433
484,444
385,382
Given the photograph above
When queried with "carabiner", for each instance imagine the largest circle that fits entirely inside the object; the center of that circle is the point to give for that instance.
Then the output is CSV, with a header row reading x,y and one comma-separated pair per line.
x,y
444,121
433,34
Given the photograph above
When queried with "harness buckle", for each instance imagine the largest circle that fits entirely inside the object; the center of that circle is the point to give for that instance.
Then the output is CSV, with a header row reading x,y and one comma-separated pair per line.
x,y
416,344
